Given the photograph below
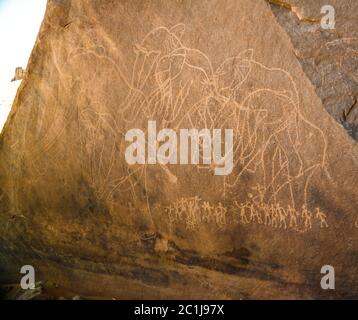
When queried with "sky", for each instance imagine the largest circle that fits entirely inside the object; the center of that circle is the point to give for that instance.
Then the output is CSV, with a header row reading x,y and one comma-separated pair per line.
x,y
20,22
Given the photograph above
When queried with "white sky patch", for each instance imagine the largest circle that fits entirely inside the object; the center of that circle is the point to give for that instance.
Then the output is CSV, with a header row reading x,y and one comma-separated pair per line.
x,y
20,22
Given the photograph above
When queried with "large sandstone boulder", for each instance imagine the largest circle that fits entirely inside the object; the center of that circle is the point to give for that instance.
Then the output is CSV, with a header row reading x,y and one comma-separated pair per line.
x,y
95,226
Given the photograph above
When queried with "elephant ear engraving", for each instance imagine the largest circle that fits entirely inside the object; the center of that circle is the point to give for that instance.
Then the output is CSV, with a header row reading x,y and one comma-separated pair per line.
x,y
178,30
234,71
246,55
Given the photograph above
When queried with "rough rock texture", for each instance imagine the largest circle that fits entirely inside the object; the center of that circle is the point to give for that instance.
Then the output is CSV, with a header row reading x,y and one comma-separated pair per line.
x,y
94,226
328,57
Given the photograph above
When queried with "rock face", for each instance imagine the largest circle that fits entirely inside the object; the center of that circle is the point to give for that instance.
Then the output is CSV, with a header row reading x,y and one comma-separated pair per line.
x,y
92,225
328,57
19,74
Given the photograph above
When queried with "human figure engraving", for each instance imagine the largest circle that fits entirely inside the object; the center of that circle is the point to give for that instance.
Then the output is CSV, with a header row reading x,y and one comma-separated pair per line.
x,y
322,217
254,214
274,215
208,212
220,215
268,220
307,216
282,214
243,217
293,217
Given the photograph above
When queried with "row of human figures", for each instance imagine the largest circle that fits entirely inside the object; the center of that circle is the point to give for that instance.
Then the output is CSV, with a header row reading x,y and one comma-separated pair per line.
x,y
194,212
280,217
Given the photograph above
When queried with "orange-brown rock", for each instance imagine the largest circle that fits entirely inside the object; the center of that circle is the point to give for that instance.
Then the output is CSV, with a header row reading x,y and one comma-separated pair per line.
x,y
94,226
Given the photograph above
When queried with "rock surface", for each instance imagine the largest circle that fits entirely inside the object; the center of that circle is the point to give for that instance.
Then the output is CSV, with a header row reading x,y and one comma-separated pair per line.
x,y
328,57
96,227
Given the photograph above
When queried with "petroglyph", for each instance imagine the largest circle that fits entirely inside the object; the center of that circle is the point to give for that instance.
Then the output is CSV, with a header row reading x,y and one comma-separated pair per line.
x,y
194,212
179,87
73,205
169,77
